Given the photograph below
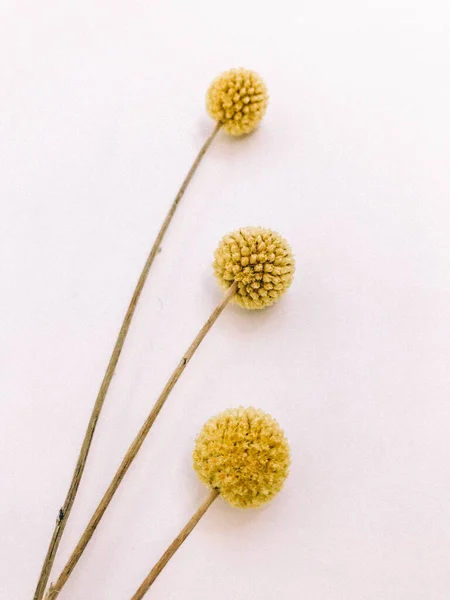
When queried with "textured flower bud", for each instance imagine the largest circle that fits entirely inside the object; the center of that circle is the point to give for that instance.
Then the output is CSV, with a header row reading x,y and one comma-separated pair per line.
x,y
259,260
244,454
237,99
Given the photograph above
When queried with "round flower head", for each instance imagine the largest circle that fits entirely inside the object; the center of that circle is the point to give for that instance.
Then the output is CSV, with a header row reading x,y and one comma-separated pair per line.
x,y
237,99
259,260
244,454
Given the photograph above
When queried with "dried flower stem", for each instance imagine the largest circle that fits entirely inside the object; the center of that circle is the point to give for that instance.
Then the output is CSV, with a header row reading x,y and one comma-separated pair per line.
x,y
162,562
84,451
135,446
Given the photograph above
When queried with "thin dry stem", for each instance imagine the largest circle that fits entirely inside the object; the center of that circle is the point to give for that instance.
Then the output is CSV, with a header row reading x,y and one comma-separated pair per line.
x,y
162,562
135,446
64,512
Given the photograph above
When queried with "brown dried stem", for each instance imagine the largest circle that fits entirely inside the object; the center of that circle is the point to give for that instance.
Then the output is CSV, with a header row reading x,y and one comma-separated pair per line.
x,y
162,562
84,451
135,446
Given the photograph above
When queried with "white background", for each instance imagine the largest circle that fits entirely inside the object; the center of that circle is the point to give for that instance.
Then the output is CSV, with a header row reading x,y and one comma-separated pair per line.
x,y
101,114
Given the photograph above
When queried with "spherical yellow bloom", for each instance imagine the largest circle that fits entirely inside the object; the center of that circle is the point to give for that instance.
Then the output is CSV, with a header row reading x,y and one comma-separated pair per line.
x,y
238,99
259,260
244,454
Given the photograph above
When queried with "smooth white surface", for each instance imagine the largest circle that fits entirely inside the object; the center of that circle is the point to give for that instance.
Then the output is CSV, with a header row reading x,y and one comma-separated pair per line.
x,y
102,112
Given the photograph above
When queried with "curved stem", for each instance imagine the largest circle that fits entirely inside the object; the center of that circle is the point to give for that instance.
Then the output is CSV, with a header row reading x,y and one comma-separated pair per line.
x,y
162,562
135,446
64,512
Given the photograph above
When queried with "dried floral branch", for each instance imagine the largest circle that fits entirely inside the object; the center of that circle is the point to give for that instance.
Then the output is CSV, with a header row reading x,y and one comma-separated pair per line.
x,y
64,512
135,446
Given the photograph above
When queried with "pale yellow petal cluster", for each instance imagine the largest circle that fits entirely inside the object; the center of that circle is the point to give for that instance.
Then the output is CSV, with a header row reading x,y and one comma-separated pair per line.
x,y
244,454
237,99
259,260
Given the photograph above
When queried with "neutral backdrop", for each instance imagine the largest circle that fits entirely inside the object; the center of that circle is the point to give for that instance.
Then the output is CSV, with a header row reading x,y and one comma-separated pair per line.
x,y
102,110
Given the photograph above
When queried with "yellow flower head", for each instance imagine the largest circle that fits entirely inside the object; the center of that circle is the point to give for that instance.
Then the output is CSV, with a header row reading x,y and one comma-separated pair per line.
x,y
259,260
238,99
244,454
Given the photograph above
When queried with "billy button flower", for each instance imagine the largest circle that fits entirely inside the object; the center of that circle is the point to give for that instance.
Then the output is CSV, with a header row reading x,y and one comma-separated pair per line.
x,y
238,100
243,456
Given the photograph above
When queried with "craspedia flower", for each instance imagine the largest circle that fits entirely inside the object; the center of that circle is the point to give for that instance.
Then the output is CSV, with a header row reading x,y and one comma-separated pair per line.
x,y
259,260
244,454
237,99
